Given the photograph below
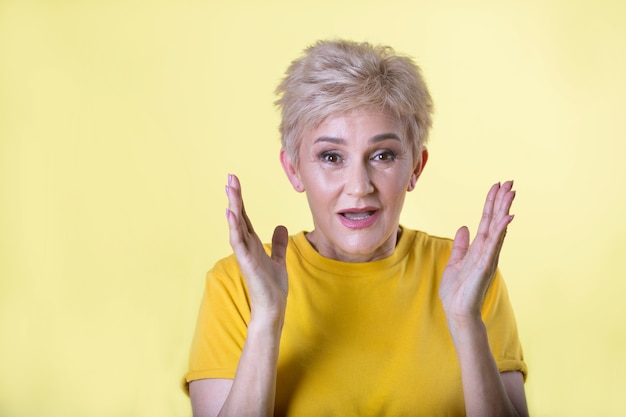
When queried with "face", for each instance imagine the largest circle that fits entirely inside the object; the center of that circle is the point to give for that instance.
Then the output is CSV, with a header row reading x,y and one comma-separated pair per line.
x,y
355,169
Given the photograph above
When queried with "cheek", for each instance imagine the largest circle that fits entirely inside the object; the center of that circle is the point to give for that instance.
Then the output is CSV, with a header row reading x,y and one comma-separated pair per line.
x,y
395,197
390,180
325,179
393,188
320,185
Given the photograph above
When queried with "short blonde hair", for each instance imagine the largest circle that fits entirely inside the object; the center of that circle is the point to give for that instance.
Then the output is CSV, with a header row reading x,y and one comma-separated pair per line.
x,y
337,76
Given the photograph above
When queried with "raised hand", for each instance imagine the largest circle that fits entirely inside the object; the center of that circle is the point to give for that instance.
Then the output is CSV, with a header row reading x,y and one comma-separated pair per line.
x,y
471,268
266,276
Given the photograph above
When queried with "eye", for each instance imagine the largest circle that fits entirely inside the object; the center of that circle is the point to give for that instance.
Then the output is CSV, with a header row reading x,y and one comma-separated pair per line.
x,y
384,156
330,157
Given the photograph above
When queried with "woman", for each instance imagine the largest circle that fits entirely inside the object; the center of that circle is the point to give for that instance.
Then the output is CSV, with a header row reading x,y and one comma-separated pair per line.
x,y
360,316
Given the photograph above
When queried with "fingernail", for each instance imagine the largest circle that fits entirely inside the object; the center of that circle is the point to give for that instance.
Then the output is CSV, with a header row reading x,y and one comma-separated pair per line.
x,y
230,179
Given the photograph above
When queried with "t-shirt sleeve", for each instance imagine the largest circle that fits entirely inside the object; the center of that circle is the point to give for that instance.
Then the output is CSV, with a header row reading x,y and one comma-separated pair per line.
x,y
222,324
502,328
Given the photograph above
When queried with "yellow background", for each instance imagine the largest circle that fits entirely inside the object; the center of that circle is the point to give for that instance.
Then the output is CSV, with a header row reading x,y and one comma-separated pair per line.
x,y
119,121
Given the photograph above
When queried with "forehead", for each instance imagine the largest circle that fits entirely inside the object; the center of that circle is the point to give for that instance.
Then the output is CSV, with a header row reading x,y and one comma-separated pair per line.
x,y
357,124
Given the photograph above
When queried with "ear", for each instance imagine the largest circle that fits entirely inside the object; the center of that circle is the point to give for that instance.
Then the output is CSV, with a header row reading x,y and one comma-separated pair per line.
x,y
292,173
419,167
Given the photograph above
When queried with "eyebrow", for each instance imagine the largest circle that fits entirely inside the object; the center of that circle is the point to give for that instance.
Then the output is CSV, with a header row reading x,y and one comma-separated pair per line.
x,y
339,141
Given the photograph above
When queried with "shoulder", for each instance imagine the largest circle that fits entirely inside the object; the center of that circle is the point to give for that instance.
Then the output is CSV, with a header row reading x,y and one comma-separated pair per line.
x,y
424,243
224,267
227,268
225,277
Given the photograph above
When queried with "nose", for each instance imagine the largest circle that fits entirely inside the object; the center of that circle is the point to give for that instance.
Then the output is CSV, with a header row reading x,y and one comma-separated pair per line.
x,y
358,181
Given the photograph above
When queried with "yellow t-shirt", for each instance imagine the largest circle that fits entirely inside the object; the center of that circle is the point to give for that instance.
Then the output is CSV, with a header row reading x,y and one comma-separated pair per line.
x,y
359,339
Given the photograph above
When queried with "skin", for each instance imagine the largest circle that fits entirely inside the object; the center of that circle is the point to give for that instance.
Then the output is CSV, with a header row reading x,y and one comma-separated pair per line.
x,y
355,161
350,162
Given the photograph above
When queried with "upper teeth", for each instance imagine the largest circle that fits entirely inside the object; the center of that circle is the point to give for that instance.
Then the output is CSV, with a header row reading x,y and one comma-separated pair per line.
x,y
357,216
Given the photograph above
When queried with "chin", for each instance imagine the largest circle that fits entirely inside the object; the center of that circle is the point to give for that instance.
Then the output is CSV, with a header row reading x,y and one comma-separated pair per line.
x,y
363,245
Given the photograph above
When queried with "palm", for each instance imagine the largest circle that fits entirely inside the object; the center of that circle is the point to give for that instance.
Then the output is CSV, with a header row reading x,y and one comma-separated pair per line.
x,y
471,268
265,275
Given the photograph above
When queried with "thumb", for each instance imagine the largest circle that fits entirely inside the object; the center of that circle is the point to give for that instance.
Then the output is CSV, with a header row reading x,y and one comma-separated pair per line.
x,y
280,238
460,245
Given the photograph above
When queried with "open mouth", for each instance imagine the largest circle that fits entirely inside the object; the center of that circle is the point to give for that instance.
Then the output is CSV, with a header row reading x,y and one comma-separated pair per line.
x,y
359,215
358,219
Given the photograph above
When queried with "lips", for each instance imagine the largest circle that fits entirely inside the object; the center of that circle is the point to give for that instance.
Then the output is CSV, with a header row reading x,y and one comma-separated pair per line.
x,y
358,218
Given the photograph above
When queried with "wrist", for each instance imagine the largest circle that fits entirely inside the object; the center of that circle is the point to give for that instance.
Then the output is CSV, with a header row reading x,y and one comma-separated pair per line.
x,y
462,327
265,332
266,321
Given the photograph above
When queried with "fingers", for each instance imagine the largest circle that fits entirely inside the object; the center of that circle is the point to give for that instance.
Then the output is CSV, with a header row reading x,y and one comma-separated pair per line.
x,y
238,222
495,215
460,245
235,202
242,234
485,220
502,207
493,225
279,244
504,197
